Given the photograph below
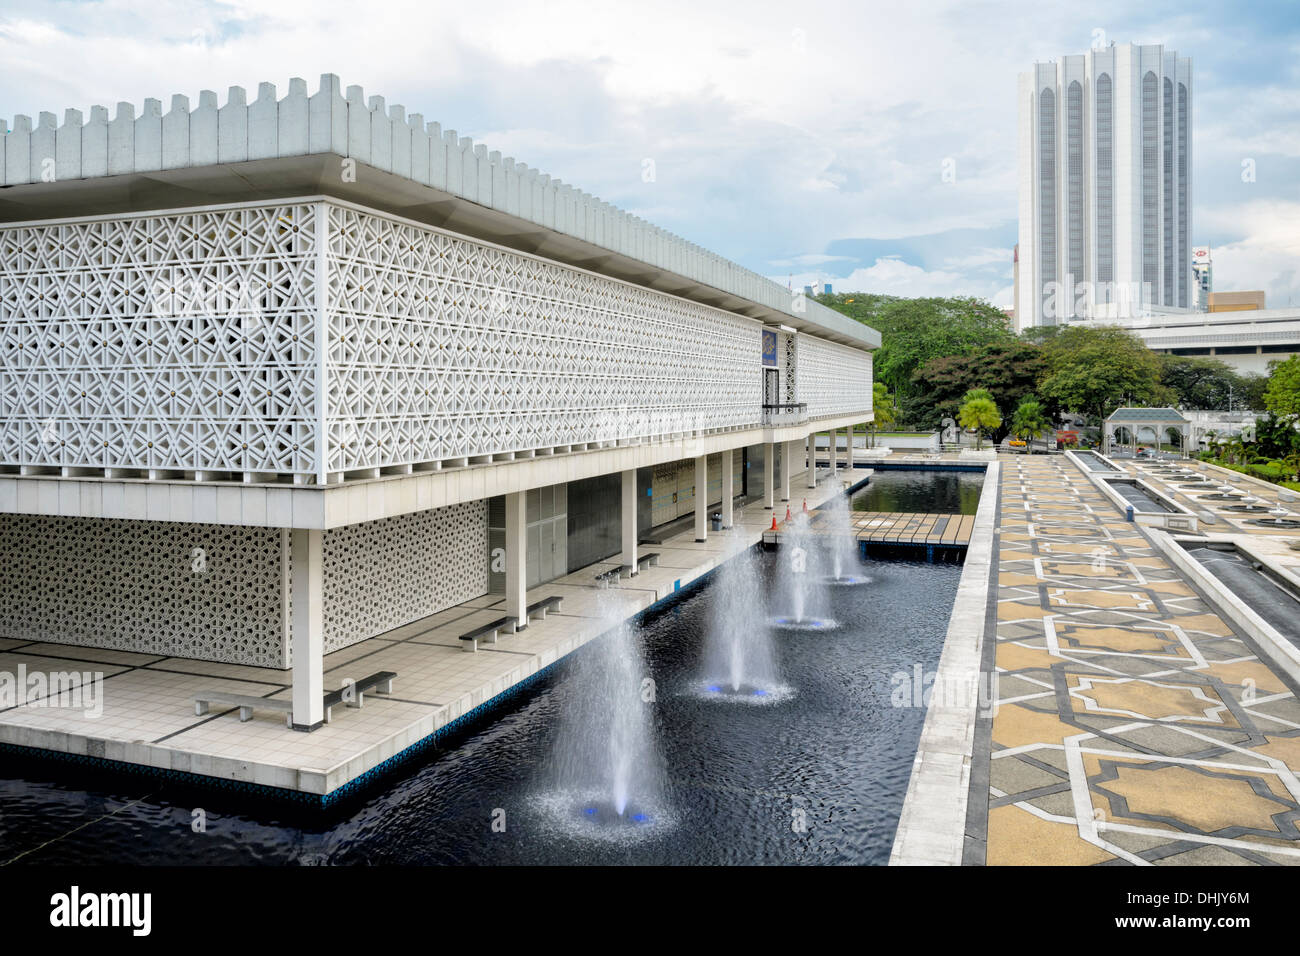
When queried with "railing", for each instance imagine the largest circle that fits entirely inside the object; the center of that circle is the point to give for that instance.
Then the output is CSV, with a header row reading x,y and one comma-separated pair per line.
x,y
790,413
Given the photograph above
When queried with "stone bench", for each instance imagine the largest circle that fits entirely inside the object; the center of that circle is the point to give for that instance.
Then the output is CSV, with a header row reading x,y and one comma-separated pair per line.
x,y
246,704
488,632
540,608
353,693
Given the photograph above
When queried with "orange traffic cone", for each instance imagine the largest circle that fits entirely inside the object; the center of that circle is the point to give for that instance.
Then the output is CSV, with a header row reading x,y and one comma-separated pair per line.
x,y
774,527
787,512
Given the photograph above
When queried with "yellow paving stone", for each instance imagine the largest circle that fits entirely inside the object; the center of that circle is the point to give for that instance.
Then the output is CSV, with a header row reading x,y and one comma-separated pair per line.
x,y
1208,803
1011,579
1171,587
1211,623
1015,725
1266,682
1073,636
1285,749
1151,699
1015,657
1015,611
1075,597
1019,838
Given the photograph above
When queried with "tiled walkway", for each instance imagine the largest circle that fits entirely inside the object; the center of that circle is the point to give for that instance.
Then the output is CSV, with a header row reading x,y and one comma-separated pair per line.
x,y
1133,725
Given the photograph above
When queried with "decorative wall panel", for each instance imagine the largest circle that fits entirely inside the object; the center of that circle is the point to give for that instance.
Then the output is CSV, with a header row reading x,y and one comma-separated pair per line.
x,y
442,347
382,574
181,590
833,379
179,342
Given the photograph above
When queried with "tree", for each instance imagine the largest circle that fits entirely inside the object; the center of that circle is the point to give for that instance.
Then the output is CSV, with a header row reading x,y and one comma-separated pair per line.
x,y
1205,383
1028,422
913,331
979,413
1282,396
1096,369
1009,371
883,407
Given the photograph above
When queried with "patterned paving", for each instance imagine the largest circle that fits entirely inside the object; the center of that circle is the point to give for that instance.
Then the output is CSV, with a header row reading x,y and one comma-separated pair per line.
x,y
1133,726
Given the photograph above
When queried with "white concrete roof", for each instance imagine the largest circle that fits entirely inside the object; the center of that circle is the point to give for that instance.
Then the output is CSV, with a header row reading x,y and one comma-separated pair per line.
x,y
364,150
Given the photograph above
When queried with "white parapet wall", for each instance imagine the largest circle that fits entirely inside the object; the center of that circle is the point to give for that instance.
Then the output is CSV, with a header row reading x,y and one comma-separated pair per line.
x,y
369,131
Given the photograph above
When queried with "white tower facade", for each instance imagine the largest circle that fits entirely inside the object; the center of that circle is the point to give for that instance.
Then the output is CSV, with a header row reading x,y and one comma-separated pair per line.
x,y
1105,157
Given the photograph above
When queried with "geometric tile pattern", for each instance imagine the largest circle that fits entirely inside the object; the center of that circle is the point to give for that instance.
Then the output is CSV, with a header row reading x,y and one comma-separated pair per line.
x,y
442,347
183,590
833,379
187,342
1133,725
382,574
182,341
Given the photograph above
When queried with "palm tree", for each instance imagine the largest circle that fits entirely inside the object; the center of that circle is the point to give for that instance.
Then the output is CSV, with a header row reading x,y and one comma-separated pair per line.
x,y
1028,422
885,411
981,414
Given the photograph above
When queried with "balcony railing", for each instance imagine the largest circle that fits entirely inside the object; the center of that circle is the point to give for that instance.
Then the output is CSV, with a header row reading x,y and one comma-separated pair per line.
x,y
791,413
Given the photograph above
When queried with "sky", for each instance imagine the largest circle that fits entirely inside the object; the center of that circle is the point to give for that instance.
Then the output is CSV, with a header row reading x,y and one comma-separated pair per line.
x,y
807,141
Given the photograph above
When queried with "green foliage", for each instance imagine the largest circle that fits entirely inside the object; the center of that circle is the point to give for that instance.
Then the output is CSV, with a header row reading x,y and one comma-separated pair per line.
x,y
1028,421
981,414
882,404
1204,383
1282,396
913,331
1008,371
1097,369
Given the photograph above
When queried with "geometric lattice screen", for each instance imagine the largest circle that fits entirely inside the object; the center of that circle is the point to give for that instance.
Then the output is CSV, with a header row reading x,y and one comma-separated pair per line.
x,y
833,379
382,574
154,587
181,342
186,342
442,347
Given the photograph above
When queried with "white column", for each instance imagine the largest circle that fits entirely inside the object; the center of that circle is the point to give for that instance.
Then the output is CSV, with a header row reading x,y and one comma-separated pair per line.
x,y
769,474
702,498
307,594
787,466
812,461
852,438
628,555
517,558
728,488
832,435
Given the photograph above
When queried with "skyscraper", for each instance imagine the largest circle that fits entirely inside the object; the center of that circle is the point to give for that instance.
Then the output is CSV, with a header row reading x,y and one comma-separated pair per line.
x,y
1105,185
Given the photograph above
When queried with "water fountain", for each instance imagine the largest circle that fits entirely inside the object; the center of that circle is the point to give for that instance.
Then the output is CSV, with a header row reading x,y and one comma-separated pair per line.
x,y
840,542
802,559
1281,518
739,657
608,769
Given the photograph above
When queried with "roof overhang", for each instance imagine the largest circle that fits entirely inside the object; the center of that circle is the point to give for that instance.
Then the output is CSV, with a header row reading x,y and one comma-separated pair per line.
x,y
321,174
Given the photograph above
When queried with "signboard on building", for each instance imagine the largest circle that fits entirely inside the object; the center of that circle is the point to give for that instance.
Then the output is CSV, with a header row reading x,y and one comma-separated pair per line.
x,y
769,347
1200,253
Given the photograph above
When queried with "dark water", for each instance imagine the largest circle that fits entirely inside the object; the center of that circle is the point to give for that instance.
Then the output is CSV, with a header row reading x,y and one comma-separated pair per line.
x,y
921,491
836,754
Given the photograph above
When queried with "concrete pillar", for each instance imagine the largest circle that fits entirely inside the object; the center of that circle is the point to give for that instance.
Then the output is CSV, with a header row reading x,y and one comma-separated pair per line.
x,y
812,461
628,555
702,498
517,558
769,474
851,452
306,592
728,487
787,466
832,435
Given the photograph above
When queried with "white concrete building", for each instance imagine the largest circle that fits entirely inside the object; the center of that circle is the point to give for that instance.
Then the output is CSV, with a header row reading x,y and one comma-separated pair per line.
x,y
1248,340
277,377
1105,150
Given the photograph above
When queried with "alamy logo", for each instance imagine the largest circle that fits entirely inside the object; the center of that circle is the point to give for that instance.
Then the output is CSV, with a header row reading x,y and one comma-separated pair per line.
x,y
75,908
77,690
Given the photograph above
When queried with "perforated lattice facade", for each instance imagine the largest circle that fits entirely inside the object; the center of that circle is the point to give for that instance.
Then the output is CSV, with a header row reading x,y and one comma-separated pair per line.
x,y
180,590
179,342
441,347
833,379
382,574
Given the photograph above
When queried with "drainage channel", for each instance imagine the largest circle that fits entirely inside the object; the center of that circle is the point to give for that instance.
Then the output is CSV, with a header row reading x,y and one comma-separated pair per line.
x,y
1269,598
